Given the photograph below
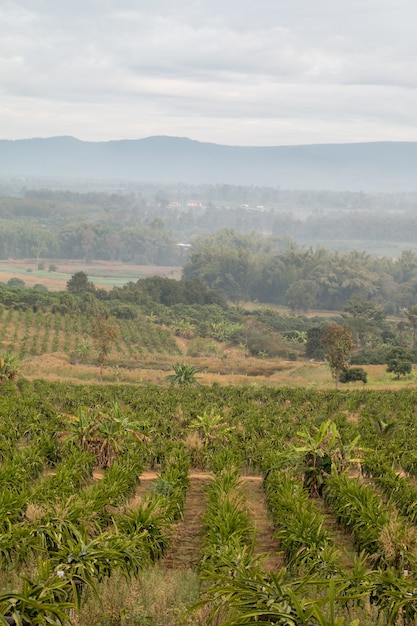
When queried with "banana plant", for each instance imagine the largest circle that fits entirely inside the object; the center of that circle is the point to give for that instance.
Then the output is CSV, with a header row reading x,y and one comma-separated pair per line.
x,y
320,453
184,375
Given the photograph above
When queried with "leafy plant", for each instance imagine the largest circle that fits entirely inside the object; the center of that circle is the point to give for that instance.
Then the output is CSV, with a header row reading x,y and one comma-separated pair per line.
x,y
9,367
211,427
184,375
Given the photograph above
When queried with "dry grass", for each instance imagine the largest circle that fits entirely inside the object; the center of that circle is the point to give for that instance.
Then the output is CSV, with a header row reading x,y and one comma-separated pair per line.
x,y
159,597
236,370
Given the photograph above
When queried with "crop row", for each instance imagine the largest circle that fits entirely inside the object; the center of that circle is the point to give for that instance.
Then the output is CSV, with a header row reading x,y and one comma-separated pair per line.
x,y
30,333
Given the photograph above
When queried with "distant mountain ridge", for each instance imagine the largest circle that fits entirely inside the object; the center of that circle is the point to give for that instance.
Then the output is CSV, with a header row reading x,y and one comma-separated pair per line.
x,y
374,166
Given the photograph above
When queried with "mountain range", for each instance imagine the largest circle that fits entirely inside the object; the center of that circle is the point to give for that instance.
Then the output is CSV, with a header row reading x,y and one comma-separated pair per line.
x,y
374,166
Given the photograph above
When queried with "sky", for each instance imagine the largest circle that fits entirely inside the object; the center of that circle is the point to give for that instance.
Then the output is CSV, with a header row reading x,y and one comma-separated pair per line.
x,y
234,72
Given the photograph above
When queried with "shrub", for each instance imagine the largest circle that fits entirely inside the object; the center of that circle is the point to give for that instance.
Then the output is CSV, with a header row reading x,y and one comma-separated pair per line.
x,y
377,356
353,374
16,283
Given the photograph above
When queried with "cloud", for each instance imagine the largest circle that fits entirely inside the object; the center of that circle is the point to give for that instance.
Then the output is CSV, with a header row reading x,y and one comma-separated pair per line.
x,y
236,72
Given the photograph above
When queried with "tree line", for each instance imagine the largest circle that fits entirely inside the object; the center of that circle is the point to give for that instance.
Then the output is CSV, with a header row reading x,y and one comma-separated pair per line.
x,y
146,225
273,270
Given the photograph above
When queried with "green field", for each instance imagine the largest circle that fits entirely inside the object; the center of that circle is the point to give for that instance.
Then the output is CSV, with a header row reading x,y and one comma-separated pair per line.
x,y
130,504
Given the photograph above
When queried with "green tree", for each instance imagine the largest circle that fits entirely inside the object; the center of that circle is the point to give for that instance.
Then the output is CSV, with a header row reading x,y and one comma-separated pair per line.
x,y
79,283
16,283
399,361
314,343
302,295
105,331
411,315
338,345
363,318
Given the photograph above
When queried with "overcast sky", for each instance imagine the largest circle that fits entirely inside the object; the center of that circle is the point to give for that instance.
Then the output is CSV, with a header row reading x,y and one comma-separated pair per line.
x,y
270,72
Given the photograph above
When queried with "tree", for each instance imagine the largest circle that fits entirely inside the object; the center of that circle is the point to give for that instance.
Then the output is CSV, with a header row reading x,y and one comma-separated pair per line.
x,y
79,283
399,361
16,283
338,345
411,314
365,318
105,331
314,343
302,295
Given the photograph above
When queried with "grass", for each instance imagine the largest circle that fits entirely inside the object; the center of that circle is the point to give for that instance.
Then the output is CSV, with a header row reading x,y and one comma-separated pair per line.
x,y
236,370
159,597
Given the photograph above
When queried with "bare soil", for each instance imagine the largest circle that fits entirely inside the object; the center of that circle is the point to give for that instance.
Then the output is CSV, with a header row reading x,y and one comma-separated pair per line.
x,y
185,549
266,543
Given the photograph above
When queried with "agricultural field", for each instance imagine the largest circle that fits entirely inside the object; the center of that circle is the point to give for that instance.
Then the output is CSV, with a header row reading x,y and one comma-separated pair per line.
x,y
163,506
104,274
57,346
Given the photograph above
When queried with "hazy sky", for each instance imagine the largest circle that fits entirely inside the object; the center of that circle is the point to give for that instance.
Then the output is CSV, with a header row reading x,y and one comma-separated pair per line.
x,y
270,72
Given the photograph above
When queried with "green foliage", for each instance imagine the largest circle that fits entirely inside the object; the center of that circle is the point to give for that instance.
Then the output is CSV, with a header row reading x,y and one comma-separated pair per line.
x,y
184,375
104,331
44,600
353,374
9,367
314,344
338,345
79,283
40,287
16,283
212,428
301,527
399,361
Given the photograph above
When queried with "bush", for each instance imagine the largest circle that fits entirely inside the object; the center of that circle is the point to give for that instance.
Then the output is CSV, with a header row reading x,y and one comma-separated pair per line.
x,y
123,311
377,356
353,374
16,283
260,340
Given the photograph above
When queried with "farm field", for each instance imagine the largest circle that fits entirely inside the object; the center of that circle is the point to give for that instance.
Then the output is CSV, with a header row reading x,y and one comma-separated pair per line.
x,y
103,274
48,346
150,504
57,346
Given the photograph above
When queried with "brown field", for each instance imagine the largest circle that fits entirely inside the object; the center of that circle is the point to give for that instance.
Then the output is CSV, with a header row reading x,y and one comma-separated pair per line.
x,y
104,274
235,370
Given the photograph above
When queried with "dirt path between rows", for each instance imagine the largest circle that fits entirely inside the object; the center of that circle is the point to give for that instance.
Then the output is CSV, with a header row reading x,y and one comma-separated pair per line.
x,y
265,542
186,544
185,548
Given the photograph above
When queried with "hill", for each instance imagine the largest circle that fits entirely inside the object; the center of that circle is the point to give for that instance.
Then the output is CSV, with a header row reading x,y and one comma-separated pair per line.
x,y
380,166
